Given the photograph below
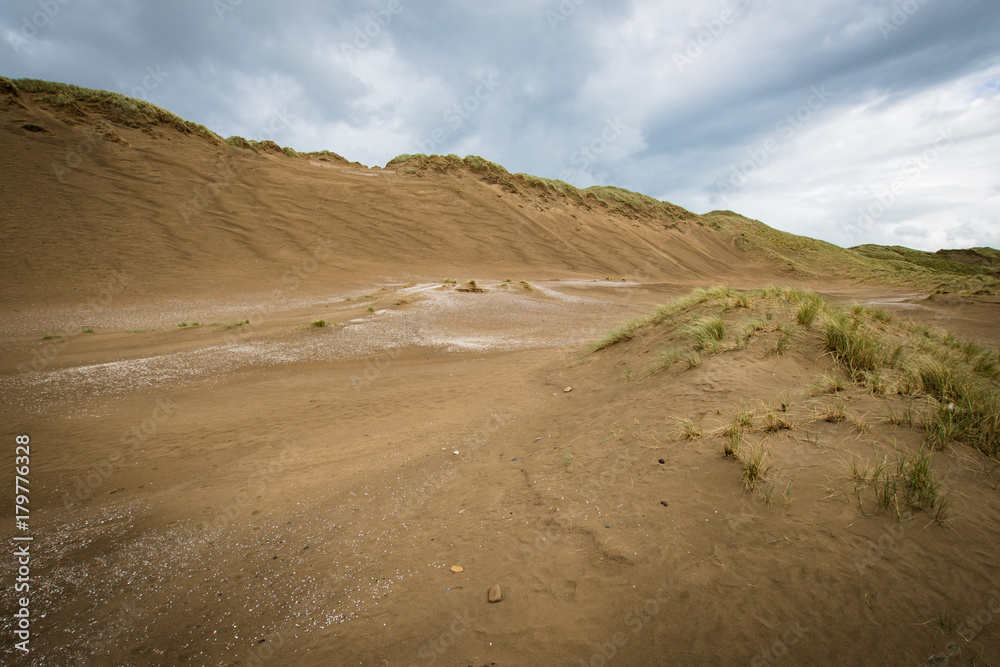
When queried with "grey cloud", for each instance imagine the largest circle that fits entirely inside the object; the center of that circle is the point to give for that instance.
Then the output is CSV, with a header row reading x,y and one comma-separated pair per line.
x,y
565,67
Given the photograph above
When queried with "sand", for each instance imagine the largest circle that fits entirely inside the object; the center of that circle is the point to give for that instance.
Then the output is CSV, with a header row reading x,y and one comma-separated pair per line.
x,y
277,493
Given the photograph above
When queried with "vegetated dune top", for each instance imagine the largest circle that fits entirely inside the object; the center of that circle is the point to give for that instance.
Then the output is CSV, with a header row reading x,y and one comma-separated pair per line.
x,y
100,189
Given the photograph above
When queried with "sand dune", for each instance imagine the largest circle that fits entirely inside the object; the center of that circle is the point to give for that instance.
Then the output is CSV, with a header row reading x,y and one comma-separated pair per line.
x,y
251,488
159,206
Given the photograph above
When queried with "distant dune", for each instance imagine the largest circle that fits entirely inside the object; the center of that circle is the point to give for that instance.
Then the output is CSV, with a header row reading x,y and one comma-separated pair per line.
x,y
95,183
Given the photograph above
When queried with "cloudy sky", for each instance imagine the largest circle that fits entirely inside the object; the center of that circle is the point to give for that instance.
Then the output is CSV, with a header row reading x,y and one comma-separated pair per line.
x,y
854,121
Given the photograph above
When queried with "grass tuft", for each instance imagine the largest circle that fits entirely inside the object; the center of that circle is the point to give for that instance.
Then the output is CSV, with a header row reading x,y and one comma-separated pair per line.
x,y
918,478
706,333
754,468
854,346
666,357
621,333
828,384
905,418
750,329
774,421
885,490
780,346
808,310
731,445
910,483
966,409
689,430
836,413
743,417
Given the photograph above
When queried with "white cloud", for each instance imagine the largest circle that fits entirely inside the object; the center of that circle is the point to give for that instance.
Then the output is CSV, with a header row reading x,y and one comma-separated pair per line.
x,y
856,173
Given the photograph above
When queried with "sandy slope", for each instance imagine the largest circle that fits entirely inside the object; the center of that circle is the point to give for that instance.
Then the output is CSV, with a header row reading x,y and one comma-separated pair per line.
x,y
278,494
157,208
318,503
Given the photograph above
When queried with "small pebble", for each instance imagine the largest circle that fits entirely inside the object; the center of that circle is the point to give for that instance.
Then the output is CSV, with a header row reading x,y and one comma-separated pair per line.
x,y
663,502
662,461
495,594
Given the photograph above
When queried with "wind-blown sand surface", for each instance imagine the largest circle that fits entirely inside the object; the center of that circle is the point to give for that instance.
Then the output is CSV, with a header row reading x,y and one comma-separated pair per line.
x,y
276,493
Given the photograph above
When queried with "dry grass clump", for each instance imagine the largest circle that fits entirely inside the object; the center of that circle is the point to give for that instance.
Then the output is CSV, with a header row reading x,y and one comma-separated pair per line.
x,y
754,467
909,484
835,413
689,430
775,421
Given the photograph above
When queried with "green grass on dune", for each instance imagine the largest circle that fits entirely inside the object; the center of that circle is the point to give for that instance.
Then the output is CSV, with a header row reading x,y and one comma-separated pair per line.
x,y
989,259
978,274
880,265
610,198
953,384
117,107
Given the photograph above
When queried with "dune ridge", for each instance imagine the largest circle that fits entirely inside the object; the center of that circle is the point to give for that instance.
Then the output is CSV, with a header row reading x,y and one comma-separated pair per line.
x,y
94,182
